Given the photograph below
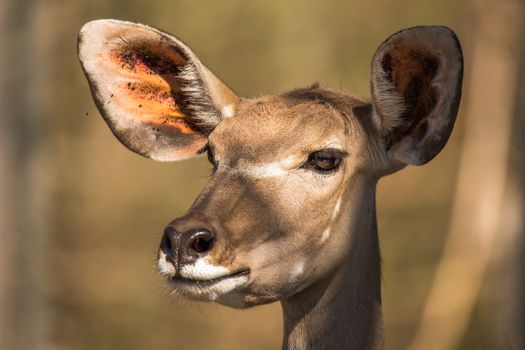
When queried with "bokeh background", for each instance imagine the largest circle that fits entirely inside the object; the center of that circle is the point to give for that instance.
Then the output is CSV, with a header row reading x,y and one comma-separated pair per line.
x,y
81,217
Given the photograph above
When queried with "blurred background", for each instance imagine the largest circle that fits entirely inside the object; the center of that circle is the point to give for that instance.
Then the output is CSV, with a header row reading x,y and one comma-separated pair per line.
x,y
81,217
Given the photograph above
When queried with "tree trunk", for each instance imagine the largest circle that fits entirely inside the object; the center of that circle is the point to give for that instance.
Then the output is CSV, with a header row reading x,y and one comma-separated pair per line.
x,y
480,230
23,172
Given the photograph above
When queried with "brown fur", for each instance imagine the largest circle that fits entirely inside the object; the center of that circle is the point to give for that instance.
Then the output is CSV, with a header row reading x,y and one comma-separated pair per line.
x,y
301,236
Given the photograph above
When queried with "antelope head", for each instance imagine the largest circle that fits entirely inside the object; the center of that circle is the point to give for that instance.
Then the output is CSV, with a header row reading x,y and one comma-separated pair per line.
x,y
290,202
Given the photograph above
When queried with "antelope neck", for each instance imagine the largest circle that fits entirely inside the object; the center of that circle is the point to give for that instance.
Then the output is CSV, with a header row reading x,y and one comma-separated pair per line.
x,y
343,311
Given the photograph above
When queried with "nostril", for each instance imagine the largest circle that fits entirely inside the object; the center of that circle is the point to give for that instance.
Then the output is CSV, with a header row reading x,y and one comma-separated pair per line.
x,y
202,242
165,245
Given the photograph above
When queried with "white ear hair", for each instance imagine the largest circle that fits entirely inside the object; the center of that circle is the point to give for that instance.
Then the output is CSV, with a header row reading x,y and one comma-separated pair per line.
x,y
388,101
198,103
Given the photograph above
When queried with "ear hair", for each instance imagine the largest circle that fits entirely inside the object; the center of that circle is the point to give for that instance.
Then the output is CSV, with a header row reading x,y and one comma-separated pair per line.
x,y
389,102
197,101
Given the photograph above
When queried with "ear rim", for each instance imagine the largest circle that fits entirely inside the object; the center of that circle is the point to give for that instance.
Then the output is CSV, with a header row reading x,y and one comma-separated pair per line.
x,y
194,74
448,106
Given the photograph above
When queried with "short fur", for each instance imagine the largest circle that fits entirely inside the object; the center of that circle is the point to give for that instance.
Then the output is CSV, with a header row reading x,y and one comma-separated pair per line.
x,y
279,226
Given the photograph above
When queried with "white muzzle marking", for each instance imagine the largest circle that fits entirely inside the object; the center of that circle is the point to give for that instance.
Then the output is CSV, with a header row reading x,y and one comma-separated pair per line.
x,y
202,270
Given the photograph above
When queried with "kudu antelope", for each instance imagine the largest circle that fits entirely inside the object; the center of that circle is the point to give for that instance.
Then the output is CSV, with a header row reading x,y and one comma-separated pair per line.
x,y
289,211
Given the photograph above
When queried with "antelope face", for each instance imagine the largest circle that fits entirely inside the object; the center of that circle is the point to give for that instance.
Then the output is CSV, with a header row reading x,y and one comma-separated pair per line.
x,y
275,206
290,172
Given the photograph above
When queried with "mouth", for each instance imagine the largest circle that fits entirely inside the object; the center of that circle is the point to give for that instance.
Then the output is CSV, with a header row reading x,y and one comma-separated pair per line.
x,y
225,289
203,283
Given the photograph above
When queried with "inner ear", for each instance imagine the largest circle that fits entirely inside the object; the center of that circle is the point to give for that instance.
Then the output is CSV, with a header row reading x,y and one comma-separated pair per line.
x,y
411,72
416,88
165,83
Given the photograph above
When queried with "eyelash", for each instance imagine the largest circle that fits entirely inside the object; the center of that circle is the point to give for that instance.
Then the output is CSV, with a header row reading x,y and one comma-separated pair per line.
x,y
211,159
333,157
209,153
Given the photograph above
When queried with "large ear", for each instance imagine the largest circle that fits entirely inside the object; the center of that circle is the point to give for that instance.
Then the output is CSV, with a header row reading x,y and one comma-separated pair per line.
x,y
416,87
153,92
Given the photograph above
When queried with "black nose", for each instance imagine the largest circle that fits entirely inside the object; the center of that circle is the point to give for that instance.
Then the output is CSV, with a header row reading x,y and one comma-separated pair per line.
x,y
186,247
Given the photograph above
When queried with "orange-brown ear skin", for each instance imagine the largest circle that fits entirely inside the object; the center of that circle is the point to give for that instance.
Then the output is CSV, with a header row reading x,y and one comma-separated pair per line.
x,y
422,68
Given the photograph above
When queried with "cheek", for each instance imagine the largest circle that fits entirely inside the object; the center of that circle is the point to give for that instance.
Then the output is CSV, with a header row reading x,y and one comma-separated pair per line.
x,y
278,270
282,208
289,260
283,225
308,198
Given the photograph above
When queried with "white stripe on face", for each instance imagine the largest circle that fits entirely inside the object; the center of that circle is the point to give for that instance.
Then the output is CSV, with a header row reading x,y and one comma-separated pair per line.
x,y
335,212
337,208
272,169
298,270
228,111
326,235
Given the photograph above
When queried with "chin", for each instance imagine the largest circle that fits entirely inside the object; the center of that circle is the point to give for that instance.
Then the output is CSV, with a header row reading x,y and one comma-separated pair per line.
x,y
235,292
226,291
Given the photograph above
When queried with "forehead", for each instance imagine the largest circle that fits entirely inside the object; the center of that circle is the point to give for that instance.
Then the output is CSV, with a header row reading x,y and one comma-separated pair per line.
x,y
298,121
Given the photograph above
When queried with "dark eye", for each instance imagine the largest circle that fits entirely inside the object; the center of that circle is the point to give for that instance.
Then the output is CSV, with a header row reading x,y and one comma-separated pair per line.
x,y
324,161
